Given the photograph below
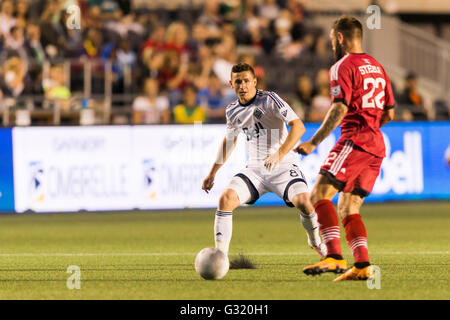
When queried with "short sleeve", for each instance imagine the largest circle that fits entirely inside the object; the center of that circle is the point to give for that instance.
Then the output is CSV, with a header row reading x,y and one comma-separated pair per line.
x,y
140,104
281,108
389,101
341,84
162,103
232,130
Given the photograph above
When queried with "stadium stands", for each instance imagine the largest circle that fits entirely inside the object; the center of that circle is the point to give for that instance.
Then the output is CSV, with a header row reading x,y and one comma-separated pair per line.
x,y
55,75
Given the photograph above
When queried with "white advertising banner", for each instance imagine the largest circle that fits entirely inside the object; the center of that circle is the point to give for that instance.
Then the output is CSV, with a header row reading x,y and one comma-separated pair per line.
x,y
172,162
118,168
73,168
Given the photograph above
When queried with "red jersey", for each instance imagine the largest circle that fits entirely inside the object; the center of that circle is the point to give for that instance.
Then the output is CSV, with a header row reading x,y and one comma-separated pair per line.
x,y
361,83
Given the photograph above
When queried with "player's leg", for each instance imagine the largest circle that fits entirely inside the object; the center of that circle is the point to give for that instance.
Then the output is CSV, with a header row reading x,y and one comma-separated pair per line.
x,y
223,222
324,190
355,232
308,218
289,183
243,188
356,235
333,177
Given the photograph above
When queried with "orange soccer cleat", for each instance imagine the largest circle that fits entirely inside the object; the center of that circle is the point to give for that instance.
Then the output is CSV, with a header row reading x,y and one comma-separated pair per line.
x,y
357,274
326,265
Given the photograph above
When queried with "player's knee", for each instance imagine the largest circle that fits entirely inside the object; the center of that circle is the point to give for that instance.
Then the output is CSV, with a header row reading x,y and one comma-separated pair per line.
x,y
316,196
343,211
301,201
229,200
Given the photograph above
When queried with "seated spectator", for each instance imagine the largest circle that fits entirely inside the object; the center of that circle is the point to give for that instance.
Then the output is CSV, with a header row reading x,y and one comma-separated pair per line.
x,y
151,107
92,44
15,44
33,44
322,52
321,80
14,85
156,40
173,76
55,89
320,105
188,112
7,21
250,59
125,56
441,110
225,52
176,39
296,8
411,100
93,17
213,97
211,18
305,93
21,13
269,10
283,25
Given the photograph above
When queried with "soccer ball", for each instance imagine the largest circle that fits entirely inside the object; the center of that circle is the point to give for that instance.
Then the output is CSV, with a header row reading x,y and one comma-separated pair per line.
x,y
211,264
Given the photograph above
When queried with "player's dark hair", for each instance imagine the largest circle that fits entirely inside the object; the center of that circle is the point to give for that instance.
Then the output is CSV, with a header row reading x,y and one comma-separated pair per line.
x,y
349,26
241,67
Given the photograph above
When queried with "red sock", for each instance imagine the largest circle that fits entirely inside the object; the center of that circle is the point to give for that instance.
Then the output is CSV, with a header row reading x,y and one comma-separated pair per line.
x,y
356,236
329,226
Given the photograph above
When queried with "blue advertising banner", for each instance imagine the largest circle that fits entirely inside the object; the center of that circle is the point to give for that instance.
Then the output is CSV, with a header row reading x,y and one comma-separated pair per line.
x,y
417,163
6,172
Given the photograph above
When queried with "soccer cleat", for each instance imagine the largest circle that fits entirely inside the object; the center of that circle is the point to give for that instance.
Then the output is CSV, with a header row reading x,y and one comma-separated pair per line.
x,y
357,274
326,265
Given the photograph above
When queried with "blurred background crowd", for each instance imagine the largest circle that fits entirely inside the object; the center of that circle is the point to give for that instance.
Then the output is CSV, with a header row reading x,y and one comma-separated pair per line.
x,y
159,66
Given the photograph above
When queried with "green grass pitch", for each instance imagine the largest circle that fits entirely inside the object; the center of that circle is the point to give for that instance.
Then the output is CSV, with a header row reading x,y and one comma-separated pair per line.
x,y
150,255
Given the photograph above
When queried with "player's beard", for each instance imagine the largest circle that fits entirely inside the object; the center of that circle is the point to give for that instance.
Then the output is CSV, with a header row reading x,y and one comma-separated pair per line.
x,y
339,51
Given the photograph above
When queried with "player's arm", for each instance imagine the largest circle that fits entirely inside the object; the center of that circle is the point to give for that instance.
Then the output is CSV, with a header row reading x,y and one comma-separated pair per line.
x,y
333,118
223,154
297,129
388,112
387,116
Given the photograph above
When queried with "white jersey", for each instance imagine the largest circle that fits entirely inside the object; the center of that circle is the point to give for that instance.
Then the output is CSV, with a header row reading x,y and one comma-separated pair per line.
x,y
263,122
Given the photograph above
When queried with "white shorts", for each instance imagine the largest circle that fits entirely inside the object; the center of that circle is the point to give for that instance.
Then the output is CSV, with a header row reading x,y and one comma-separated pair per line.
x,y
286,181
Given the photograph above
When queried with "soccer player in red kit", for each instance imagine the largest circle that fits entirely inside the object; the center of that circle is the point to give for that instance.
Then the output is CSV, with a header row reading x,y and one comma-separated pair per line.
x,y
362,102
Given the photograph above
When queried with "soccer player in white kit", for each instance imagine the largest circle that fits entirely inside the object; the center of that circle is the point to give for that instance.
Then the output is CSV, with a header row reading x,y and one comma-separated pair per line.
x,y
272,165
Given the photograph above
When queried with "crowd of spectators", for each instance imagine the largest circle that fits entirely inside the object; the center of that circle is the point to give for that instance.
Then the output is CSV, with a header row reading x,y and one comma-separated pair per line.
x,y
175,64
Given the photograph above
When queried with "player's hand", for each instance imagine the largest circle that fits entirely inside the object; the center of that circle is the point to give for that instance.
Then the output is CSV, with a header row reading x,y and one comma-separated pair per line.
x,y
208,183
272,161
305,148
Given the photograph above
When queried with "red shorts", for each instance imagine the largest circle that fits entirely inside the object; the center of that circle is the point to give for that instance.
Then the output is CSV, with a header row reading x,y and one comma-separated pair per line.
x,y
351,169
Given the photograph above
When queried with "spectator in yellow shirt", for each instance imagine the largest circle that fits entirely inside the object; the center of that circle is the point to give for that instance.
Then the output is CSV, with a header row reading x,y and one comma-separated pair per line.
x,y
189,111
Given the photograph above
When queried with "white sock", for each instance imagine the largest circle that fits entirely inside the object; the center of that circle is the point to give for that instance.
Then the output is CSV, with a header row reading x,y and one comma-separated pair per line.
x,y
223,228
311,226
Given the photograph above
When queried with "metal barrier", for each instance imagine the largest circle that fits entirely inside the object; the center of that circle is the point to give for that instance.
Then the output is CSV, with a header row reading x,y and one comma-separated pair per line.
x,y
426,55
